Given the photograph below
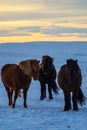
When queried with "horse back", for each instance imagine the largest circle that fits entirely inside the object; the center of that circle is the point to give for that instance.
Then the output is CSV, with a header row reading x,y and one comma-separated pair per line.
x,y
7,73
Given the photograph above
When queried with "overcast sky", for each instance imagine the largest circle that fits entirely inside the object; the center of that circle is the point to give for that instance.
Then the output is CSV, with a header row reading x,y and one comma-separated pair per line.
x,y
43,20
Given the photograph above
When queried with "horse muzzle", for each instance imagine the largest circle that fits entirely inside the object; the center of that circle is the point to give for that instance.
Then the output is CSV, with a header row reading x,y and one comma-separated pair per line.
x,y
73,81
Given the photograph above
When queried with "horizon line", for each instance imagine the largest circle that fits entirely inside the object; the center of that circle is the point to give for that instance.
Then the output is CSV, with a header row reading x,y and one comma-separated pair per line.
x,y
43,42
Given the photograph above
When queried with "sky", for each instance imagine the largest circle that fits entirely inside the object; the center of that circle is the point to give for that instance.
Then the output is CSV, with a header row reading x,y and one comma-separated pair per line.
x,y
43,20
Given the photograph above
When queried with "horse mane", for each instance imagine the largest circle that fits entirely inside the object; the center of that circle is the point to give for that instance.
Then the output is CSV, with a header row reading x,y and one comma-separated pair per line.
x,y
25,67
77,66
50,59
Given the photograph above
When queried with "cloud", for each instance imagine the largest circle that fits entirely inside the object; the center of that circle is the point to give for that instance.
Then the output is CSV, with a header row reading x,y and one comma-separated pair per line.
x,y
13,16
36,9
30,29
44,6
8,33
53,30
59,31
19,8
20,2
4,32
45,17
66,4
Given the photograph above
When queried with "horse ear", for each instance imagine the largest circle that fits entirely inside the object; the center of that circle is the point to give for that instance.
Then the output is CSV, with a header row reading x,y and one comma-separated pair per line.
x,y
67,61
38,61
76,61
20,65
43,58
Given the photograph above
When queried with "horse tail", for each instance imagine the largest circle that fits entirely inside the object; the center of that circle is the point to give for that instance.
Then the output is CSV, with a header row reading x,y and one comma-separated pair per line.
x,y
81,98
55,88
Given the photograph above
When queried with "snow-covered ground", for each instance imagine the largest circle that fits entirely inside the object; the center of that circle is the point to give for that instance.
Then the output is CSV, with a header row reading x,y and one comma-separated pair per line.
x,y
42,115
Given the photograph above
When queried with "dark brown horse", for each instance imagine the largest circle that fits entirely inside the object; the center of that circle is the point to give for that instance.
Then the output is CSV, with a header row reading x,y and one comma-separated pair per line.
x,y
70,80
16,77
47,75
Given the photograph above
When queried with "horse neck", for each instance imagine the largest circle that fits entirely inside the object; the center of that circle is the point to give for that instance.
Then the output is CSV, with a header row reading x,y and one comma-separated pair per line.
x,y
32,71
51,70
67,71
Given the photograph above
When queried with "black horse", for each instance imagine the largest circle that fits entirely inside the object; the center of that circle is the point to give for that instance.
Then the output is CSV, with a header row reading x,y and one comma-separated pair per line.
x,y
70,80
47,75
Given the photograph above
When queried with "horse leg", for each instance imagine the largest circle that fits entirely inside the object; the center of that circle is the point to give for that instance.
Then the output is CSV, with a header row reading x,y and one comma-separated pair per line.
x,y
69,101
25,96
67,97
15,98
10,98
9,95
43,91
74,99
50,91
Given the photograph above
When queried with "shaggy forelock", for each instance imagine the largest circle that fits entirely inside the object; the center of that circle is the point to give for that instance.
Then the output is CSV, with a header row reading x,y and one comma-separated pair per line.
x,y
25,66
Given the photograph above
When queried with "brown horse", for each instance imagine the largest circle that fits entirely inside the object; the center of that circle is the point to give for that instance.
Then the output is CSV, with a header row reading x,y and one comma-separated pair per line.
x,y
16,77
70,79
47,76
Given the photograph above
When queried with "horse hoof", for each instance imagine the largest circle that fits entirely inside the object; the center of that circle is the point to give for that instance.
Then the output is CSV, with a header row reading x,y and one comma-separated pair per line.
x,y
75,109
25,106
9,104
13,106
66,109
41,98
51,98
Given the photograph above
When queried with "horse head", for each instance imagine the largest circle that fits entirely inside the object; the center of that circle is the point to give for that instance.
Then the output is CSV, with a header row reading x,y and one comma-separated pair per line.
x,y
35,68
47,64
72,70
30,68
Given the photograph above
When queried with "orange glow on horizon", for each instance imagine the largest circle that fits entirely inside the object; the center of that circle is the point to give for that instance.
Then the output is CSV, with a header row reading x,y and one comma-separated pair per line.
x,y
39,21
40,37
